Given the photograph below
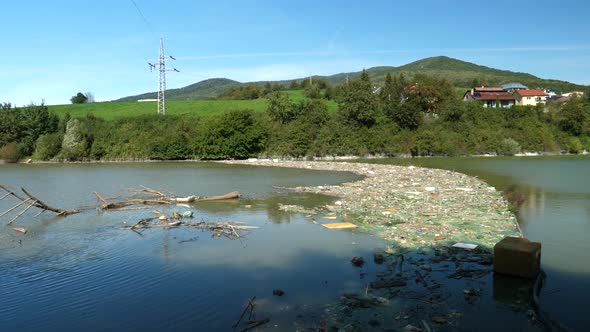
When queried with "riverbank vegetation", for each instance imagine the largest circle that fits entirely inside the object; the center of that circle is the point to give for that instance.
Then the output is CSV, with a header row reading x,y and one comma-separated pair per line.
x,y
417,116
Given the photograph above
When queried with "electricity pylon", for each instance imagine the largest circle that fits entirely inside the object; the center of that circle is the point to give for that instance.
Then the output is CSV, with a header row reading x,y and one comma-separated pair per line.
x,y
163,70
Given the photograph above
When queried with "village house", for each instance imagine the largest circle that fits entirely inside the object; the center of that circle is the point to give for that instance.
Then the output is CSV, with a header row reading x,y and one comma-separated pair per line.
x,y
507,95
530,97
491,97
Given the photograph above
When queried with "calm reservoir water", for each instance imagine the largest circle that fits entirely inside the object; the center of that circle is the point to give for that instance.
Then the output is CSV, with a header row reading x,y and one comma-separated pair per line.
x,y
82,273
556,213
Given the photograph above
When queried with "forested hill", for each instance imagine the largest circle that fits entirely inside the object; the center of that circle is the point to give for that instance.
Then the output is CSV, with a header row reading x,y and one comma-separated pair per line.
x,y
460,73
201,90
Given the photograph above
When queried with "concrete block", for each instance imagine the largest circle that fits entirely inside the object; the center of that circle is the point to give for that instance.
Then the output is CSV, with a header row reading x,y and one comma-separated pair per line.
x,y
517,257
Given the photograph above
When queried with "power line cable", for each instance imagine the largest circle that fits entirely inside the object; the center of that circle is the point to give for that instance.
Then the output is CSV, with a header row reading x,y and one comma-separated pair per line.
x,y
147,23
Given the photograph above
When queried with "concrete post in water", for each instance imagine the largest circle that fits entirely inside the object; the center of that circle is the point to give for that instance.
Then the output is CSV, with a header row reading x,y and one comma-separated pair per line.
x,y
517,257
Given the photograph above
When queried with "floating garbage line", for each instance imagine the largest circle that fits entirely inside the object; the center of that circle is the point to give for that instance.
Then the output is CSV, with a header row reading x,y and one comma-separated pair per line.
x,y
411,206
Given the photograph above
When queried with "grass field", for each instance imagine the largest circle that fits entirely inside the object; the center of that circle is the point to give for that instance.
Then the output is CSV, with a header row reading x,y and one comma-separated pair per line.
x,y
114,110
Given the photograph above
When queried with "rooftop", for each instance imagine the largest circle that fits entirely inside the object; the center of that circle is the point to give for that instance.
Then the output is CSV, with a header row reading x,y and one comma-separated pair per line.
x,y
530,93
493,96
513,85
488,89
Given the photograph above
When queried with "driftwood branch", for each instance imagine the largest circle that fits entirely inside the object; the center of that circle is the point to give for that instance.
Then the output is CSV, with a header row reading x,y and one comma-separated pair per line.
x,y
250,306
14,207
232,195
40,204
150,197
10,192
21,213
254,324
154,197
32,201
231,230
104,201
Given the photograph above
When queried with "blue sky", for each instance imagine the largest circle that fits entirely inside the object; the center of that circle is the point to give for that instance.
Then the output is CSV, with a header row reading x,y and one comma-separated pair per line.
x,y
53,49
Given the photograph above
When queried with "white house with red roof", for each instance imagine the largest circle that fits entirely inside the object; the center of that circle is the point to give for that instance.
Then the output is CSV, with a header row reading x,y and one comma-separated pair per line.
x,y
530,97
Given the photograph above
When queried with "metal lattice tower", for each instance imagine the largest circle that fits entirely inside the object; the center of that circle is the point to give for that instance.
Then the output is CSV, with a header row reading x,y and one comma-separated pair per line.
x,y
162,70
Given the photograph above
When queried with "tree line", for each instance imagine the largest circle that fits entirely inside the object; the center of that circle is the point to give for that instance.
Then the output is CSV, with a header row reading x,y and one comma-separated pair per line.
x,y
417,116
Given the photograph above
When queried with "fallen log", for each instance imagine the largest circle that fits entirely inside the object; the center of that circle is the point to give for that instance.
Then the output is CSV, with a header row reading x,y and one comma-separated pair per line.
x,y
191,199
158,198
231,195
119,205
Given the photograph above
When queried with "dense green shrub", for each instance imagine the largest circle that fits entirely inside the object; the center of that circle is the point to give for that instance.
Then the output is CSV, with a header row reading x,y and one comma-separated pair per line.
x,y
48,146
508,147
235,134
9,153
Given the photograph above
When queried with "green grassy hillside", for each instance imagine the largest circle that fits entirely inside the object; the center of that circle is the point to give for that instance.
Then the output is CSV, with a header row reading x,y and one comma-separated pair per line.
x,y
113,110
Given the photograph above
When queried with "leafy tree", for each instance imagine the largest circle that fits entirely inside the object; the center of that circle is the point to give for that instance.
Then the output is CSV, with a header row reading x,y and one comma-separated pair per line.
x,y
294,85
10,125
9,152
359,105
235,134
388,89
24,125
280,107
79,98
63,122
312,112
73,144
429,93
575,117
48,146
312,91
408,115
267,88
330,92
245,92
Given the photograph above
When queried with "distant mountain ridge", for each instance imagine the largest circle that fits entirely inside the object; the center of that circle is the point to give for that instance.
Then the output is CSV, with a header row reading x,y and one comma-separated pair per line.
x,y
206,89
460,73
